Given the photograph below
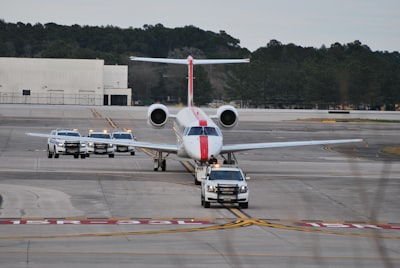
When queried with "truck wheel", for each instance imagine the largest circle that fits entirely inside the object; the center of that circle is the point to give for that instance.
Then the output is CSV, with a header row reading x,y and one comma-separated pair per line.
x,y
76,156
132,153
49,154
196,182
111,155
244,205
55,154
83,156
206,204
202,201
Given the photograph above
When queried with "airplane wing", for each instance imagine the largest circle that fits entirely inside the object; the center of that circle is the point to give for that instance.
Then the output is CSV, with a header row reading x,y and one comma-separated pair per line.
x,y
161,147
253,146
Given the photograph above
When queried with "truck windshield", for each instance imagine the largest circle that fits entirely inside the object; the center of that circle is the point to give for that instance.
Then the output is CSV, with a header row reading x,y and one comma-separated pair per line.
x,y
100,135
226,175
124,136
72,134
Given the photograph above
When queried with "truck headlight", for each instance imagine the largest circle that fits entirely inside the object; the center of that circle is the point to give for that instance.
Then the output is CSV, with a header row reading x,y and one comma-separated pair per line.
x,y
60,144
110,145
83,144
211,188
90,144
243,189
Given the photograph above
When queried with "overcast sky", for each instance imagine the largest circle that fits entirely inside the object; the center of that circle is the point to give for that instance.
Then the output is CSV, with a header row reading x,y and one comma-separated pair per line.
x,y
254,22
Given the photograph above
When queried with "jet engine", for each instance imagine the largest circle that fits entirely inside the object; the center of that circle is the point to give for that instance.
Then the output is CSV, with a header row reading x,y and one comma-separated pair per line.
x,y
227,116
157,115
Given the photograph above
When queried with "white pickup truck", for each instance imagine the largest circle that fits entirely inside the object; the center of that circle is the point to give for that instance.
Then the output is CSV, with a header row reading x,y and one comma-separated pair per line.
x,y
224,185
61,144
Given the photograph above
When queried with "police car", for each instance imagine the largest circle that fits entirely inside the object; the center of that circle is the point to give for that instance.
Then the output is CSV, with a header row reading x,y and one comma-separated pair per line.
x,y
61,144
100,147
124,135
224,184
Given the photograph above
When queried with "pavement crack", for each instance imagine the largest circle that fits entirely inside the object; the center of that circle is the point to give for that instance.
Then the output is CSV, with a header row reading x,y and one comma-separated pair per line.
x,y
27,252
105,198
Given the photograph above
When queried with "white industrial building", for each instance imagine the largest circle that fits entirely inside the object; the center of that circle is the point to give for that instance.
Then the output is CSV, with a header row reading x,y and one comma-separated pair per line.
x,y
63,81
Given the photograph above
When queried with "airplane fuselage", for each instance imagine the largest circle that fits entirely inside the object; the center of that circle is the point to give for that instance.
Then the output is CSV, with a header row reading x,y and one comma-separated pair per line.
x,y
198,137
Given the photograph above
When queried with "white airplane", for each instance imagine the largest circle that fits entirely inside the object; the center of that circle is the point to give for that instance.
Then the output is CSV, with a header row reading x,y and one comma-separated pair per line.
x,y
198,136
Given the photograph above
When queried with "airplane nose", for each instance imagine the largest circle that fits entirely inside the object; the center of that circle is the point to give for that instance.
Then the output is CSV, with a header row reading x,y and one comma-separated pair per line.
x,y
200,148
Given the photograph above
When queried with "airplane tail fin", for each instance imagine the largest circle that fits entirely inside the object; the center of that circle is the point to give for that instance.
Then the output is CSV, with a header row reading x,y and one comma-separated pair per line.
x,y
189,61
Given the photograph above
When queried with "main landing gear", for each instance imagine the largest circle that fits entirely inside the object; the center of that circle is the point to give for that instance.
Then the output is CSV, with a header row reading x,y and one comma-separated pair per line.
x,y
160,162
229,159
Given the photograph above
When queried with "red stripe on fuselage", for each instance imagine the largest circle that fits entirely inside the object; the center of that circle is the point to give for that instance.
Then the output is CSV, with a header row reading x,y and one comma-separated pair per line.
x,y
203,123
203,140
203,148
203,143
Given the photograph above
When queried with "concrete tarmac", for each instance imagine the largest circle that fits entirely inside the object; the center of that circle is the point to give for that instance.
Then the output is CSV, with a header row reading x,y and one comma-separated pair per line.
x,y
311,206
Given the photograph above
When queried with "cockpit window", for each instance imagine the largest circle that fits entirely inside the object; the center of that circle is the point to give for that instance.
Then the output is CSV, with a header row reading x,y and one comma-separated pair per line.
x,y
195,131
210,131
203,131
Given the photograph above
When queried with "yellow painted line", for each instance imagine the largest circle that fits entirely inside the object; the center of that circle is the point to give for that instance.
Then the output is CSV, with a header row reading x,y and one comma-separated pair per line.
x,y
95,113
111,122
188,166
238,213
242,222
235,211
148,152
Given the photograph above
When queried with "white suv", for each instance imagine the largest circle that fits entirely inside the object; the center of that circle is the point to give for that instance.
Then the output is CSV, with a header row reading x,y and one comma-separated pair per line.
x,y
61,145
100,147
224,185
127,136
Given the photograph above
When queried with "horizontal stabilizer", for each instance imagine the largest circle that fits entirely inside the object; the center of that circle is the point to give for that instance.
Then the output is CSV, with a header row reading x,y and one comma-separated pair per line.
x,y
186,61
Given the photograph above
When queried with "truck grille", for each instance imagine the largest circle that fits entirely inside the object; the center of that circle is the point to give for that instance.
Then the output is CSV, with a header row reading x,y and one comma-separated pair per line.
x,y
226,189
100,146
72,147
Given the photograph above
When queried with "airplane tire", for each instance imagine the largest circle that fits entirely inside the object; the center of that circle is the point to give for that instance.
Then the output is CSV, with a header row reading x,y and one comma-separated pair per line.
x,y
164,165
